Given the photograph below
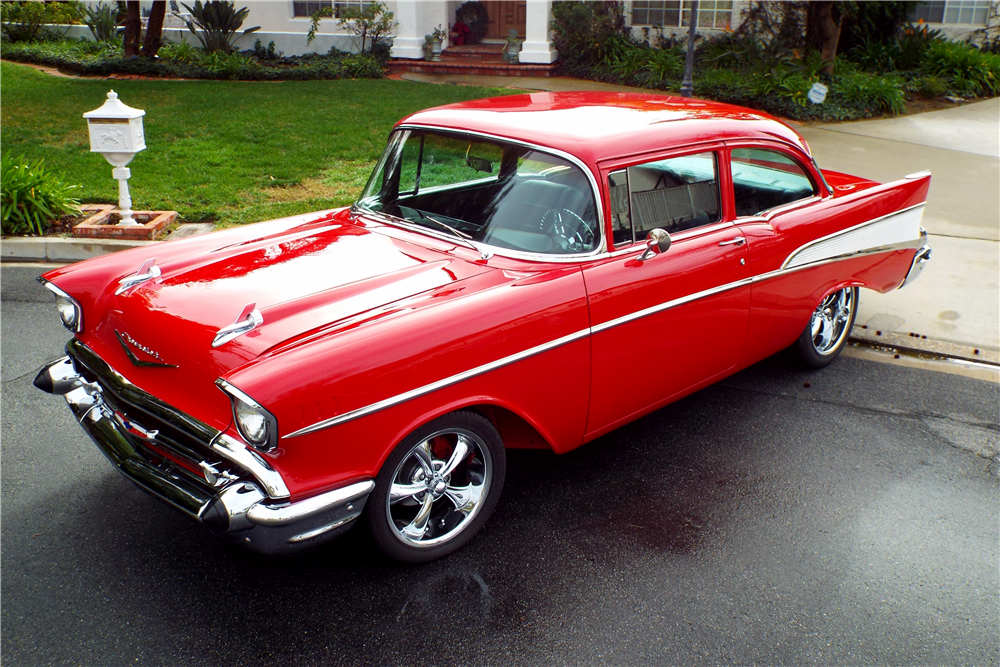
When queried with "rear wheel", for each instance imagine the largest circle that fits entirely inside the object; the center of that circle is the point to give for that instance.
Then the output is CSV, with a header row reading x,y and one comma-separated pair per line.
x,y
437,488
830,325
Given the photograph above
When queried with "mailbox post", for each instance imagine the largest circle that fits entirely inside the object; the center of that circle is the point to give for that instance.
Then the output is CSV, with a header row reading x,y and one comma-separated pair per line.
x,y
116,133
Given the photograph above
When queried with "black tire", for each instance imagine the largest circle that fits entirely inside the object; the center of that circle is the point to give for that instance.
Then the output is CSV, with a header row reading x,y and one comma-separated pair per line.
x,y
828,328
416,512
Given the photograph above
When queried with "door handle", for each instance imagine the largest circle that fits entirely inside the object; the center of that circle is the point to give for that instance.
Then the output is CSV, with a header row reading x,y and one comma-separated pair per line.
x,y
739,240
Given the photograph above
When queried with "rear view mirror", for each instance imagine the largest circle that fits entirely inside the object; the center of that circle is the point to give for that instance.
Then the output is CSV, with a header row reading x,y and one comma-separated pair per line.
x,y
477,163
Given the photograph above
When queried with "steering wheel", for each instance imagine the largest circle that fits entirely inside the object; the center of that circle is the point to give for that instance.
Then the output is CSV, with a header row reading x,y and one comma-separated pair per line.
x,y
567,229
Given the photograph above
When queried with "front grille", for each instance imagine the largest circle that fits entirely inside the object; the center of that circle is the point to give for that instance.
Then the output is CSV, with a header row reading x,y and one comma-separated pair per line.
x,y
182,443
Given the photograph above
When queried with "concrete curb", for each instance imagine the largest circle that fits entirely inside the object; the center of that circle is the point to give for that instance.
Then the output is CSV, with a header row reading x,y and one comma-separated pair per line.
x,y
924,346
57,249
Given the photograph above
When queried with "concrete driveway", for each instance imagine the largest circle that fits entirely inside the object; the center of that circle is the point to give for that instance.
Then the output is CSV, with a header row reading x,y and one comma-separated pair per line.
x,y
957,299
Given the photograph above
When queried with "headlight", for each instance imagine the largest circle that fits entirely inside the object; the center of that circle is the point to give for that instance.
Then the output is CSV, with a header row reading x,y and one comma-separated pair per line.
x,y
257,426
69,310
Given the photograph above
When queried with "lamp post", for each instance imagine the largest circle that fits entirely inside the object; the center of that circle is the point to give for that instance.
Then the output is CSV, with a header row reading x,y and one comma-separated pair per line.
x,y
116,133
687,86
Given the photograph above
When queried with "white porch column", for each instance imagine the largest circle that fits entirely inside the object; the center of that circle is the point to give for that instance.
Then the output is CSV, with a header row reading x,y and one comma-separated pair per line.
x,y
417,18
537,47
407,43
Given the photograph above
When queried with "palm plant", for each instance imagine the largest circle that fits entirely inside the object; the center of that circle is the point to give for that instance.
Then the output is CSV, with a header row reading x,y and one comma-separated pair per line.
x,y
31,197
219,22
102,20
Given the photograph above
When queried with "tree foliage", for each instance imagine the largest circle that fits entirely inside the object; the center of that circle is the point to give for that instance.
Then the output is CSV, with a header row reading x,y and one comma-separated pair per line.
x,y
371,22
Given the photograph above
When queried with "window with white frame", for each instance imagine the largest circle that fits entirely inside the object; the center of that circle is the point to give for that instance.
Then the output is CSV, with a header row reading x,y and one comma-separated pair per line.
x,y
677,13
967,12
306,8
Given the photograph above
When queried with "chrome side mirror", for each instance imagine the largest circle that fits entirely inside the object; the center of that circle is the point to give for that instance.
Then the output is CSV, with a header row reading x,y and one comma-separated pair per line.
x,y
657,242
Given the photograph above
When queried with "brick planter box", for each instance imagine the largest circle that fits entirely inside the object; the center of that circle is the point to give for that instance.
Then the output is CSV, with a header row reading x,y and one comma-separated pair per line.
x,y
102,224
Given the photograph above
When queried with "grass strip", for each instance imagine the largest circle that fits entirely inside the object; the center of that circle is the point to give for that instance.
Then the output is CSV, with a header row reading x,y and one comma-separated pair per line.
x,y
226,152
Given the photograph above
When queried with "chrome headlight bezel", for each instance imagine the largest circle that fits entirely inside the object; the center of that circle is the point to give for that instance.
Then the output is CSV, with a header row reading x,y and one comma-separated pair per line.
x,y
69,308
241,403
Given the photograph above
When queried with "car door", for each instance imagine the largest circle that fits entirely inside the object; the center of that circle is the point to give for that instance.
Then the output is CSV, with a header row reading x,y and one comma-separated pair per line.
x,y
664,323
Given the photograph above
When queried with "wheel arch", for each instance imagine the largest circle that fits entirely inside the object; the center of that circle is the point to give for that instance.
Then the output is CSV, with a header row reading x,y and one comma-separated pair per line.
x,y
517,429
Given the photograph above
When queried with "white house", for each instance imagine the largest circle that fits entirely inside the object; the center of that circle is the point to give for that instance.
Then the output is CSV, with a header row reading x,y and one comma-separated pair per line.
x,y
286,22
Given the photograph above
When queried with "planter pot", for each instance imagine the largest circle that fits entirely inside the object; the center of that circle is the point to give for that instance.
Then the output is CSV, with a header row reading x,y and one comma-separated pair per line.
x,y
428,51
510,53
436,51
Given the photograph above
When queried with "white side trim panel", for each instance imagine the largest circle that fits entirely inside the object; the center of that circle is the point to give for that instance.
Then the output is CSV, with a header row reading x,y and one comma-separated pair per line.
x,y
890,230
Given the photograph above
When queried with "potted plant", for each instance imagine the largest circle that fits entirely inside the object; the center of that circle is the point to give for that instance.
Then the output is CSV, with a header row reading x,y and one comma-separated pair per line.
x,y
512,48
439,35
428,47
459,34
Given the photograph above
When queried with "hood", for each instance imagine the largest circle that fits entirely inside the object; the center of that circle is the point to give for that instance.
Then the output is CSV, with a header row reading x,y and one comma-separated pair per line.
x,y
301,279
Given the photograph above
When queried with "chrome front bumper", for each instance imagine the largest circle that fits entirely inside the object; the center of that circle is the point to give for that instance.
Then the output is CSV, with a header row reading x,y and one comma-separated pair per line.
x,y
237,494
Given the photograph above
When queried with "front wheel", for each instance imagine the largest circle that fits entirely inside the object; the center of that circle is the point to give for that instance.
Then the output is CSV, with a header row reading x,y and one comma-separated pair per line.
x,y
437,488
830,325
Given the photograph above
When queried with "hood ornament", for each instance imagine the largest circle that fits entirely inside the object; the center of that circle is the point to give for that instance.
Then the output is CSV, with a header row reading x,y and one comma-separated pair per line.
x,y
147,271
249,319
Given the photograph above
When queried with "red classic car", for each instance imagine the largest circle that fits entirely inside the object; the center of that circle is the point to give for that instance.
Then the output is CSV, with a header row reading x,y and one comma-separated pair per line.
x,y
506,265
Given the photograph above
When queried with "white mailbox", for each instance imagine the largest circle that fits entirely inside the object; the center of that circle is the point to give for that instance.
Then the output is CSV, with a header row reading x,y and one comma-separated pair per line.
x,y
116,133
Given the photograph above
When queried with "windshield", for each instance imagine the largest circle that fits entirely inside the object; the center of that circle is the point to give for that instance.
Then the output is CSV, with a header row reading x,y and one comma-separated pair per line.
x,y
491,192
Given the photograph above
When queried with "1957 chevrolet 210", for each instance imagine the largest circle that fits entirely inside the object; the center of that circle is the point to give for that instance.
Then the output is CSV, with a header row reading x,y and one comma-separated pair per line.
x,y
508,262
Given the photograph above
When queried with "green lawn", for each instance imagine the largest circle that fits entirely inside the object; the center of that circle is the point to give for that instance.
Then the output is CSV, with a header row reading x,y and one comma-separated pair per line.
x,y
231,152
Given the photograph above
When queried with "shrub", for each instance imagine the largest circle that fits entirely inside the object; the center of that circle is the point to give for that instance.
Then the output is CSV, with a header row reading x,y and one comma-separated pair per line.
x,y
930,86
745,52
181,52
220,22
227,65
877,56
25,20
968,71
867,23
588,34
645,66
32,197
184,60
260,53
870,93
361,66
476,17
102,20
912,44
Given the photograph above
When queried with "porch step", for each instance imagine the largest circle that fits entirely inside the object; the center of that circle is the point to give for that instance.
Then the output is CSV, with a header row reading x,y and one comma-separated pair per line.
x,y
470,66
474,51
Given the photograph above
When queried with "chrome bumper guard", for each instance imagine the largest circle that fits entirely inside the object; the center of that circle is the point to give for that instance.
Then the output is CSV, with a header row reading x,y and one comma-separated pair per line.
x,y
920,259
240,505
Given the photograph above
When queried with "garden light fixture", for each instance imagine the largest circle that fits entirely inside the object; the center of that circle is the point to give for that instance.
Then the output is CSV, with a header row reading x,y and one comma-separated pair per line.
x,y
116,133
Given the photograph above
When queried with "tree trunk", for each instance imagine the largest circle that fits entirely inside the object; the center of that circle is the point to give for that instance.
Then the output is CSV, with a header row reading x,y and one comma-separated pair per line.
x,y
133,28
154,30
823,30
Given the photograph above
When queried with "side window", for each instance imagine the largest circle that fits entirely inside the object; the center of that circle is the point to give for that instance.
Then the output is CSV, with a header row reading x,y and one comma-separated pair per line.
x,y
764,179
674,194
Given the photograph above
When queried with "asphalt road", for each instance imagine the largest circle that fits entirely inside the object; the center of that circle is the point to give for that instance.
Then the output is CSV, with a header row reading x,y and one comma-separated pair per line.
x,y
783,516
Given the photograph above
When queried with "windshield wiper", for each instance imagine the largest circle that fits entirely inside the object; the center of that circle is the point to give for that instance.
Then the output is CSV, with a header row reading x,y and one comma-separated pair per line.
x,y
463,238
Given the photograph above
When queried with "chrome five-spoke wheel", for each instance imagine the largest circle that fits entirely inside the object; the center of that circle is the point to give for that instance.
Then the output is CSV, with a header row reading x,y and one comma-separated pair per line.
x,y
437,488
826,334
